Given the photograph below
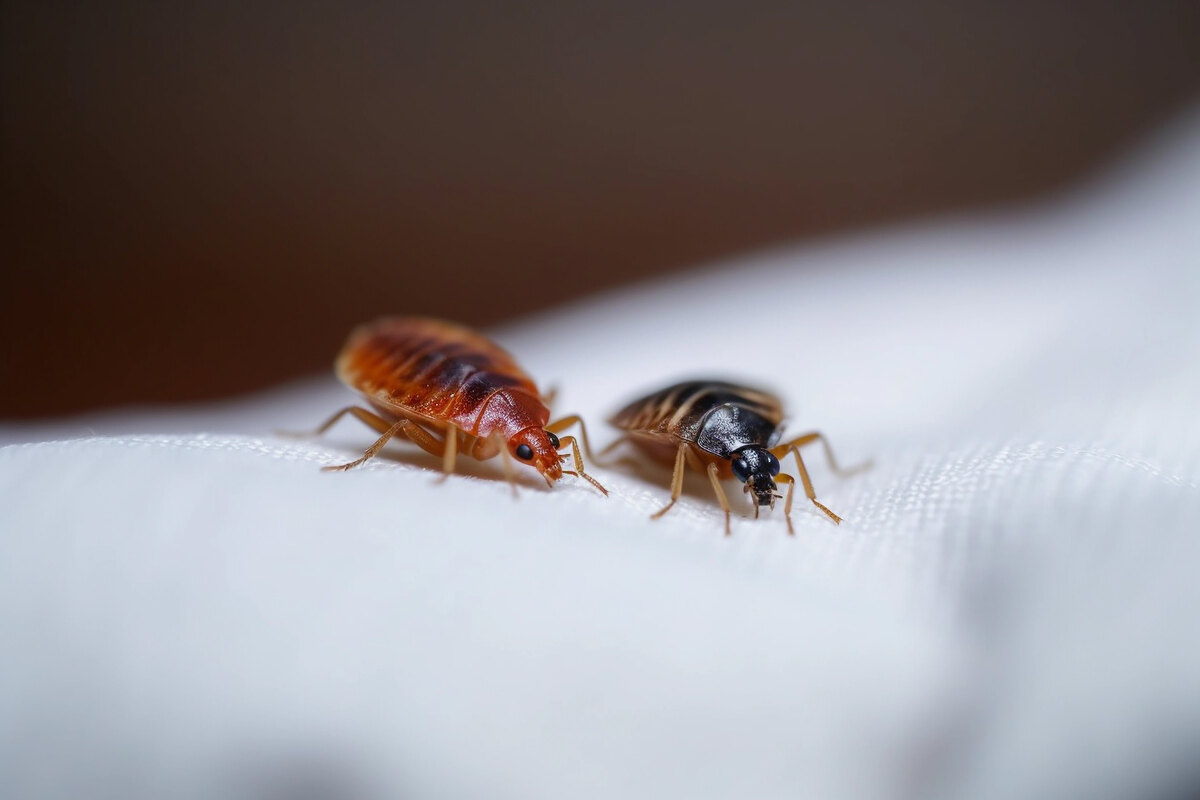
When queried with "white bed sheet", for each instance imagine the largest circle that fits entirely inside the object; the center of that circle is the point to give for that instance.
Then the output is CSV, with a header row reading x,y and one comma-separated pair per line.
x,y
189,608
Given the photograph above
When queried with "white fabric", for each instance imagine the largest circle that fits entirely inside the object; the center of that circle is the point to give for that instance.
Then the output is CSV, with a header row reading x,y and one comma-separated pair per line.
x,y
189,608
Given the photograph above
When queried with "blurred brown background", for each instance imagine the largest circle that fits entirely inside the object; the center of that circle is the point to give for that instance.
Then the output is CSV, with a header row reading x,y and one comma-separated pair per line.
x,y
201,198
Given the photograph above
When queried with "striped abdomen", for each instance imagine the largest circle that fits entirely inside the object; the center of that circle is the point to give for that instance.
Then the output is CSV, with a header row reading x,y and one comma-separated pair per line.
x,y
684,411
442,372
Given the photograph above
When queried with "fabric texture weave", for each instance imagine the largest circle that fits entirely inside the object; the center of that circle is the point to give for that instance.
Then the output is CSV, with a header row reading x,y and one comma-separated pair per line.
x,y
190,608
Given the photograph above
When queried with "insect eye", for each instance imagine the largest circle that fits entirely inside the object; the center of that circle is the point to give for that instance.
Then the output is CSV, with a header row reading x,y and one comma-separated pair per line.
x,y
524,452
741,470
553,440
772,464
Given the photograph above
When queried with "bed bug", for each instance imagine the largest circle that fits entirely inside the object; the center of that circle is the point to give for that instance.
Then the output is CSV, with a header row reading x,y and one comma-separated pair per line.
x,y
451,390
724,430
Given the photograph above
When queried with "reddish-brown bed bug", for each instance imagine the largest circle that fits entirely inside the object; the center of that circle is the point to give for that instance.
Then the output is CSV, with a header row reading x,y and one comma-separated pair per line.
x,y
727,431
451,390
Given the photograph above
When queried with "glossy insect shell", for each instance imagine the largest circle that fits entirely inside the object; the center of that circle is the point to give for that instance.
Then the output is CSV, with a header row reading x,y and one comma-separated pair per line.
x,y
437,371
716,416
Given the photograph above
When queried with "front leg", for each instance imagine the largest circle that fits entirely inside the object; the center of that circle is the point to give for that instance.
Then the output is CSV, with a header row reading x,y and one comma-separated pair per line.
x,y
506,459
808,489
715,479
779,451
579,471
560,425
793,447
783,477
449,451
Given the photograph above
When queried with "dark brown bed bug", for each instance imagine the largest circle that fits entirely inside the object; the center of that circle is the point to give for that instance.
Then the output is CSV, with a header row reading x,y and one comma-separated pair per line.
x,y
724,430
451,390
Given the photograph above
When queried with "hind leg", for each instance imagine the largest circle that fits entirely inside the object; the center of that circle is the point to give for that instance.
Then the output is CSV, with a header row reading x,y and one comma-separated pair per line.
x,y
402,427
368,418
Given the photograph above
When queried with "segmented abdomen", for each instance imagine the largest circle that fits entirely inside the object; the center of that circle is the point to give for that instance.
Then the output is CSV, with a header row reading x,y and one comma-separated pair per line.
x,y
441,371
679,410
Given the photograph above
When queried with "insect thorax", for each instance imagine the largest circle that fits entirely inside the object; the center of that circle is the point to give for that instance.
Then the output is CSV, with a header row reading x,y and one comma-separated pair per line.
x,y
730,427
510,411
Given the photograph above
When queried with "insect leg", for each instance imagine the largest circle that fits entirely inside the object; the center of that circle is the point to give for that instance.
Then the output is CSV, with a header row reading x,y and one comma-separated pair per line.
x,y
808,487
783,477
676,481
423,438
781,450
507,460
562,424
721,498
579,464
449,451
613,445
402,427
373,450
366,417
